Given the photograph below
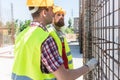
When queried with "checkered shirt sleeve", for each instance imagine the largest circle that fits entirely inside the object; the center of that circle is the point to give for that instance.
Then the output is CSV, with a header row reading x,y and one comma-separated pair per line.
x,y
50,55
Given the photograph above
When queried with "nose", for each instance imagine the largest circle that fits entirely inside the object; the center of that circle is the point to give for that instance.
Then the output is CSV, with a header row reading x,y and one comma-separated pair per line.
x,y
62,17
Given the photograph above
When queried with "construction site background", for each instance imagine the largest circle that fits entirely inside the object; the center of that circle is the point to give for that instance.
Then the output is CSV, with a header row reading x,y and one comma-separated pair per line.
x,y
99,37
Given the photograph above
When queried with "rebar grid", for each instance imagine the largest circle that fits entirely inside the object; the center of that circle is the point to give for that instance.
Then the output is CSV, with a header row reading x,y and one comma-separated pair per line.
x,y
101,37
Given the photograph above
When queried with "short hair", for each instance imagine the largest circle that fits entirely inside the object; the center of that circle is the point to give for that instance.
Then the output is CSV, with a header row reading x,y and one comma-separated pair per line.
x,y
36,14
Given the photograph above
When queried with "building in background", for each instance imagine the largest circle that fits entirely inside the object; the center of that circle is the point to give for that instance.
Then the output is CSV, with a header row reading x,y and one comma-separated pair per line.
x,y
76,25
3,34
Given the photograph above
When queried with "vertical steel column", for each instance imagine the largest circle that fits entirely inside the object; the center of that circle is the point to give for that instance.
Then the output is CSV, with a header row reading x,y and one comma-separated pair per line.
x,y
113,33
106,31
119,39
80,25
109,39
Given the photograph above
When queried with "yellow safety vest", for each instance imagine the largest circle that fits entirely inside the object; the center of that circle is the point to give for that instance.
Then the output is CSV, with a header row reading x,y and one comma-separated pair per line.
x,y
28,55
59,44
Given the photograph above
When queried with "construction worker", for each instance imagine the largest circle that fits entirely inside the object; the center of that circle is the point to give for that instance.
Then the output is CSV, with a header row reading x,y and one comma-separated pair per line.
x,y
55,31
33,41
37,54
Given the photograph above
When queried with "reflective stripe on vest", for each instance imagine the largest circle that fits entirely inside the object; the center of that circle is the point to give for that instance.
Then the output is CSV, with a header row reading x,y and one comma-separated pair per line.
x,y
28,56
69,54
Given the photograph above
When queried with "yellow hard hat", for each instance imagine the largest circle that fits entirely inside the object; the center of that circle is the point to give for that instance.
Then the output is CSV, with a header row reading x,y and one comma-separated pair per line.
x,y
40,3
58,9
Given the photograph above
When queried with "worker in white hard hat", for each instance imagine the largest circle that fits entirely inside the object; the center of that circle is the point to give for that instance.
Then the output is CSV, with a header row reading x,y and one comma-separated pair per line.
x,y
37,56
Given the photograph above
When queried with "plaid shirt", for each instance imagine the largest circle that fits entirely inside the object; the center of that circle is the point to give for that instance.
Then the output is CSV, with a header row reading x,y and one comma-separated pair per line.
x,y
50,55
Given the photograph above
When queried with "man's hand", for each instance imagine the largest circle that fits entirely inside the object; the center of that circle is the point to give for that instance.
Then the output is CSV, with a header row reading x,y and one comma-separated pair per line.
x,y
92,63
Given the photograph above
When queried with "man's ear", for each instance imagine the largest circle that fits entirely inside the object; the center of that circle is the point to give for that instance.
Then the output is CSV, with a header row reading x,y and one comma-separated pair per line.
x,y
44,13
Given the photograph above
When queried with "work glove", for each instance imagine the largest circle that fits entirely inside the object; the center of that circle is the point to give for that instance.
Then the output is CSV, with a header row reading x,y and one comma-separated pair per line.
x,y
92,63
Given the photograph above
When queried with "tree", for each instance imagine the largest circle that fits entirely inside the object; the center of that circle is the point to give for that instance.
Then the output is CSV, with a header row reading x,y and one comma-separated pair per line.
x,y
24,25
67,30
9,26
1,24
69,22
21,25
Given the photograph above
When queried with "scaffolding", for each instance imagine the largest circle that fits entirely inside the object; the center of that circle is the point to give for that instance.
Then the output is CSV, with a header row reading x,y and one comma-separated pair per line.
x,y
100,37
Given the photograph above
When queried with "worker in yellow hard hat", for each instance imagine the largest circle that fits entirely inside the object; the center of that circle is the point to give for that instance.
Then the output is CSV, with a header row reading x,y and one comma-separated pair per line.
x,y
37,6
58,20
32,44
37,53
55,31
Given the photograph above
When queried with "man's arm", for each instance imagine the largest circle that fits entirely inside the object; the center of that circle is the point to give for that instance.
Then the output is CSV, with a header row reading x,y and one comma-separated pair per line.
x,y
64,74
54,63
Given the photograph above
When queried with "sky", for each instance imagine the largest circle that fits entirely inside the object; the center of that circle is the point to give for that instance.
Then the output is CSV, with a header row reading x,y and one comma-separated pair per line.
x,y
21,12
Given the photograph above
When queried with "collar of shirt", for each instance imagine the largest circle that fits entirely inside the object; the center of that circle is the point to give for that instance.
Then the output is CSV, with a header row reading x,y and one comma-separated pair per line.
x,y
33,24
59,33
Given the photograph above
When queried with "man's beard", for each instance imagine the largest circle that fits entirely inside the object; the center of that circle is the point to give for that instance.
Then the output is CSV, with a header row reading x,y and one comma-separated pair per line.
x,y
60,23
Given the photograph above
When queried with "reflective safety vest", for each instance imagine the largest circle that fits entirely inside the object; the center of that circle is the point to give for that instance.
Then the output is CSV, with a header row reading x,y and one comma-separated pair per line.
x,y
28,55
53,33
